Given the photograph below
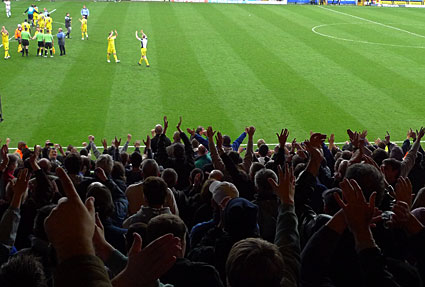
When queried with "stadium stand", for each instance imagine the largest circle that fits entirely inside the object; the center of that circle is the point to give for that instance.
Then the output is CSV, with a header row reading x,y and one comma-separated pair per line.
x,y
200,210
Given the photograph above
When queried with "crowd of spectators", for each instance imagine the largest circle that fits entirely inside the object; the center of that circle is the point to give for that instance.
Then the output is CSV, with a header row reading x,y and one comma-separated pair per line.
x,y
200,210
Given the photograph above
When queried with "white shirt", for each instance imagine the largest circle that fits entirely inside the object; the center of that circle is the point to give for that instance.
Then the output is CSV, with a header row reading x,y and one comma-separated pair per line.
x,y
144,42
7,3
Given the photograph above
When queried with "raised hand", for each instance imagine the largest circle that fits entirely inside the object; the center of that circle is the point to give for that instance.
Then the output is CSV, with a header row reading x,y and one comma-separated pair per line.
x,y
285,189
70,225
190,131
317,139
358,213
117,142
411,134
102,248
210,133
147,143
403,218
250,131
316,157
91,138
33,159
20,188
100,174
219,140
331,140
179,125
165,125
403,190
145,266
420,133
137,143
4,157
105,144
387,138
129,137
282,137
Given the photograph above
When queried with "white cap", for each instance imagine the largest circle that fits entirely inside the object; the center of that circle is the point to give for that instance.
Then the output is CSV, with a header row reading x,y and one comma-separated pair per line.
x,y
221,190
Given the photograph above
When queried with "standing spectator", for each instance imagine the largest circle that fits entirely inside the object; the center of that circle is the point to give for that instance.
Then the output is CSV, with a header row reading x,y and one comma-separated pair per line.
x,y
61,41
68,21
85,13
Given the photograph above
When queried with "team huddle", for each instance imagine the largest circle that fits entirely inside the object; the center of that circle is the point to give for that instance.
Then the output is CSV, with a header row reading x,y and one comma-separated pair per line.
x,y
42,22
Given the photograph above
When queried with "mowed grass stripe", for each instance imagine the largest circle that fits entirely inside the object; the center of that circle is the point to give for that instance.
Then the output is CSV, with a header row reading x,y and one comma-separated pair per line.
x,y
331,76
311,63
392,85
126,103
135,88
185,88
296,90
83,97
235,85
262,65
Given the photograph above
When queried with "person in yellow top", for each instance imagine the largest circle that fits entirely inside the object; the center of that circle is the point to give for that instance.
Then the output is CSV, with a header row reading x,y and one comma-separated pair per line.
x,y
41,22
143,45
5,42
84,28
49,22
111,47
36,16
26,25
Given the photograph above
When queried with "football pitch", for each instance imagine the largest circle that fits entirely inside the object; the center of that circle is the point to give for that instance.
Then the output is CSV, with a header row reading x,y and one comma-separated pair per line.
x,y
304,68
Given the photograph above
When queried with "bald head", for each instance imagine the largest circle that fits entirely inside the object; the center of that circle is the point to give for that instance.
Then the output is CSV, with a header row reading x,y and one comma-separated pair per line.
x,y
216,174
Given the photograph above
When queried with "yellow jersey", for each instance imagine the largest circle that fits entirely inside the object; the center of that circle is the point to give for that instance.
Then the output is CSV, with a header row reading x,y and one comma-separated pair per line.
x,y
41,22
84,22
4,38
48,21
26,25
111,42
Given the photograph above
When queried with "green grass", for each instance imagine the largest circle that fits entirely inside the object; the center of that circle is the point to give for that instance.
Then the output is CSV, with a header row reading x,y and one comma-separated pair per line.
x,y
225,65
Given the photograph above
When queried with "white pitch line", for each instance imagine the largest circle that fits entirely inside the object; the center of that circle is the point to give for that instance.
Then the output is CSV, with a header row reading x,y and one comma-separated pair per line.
x,y
374,22
315,28
269,144
58,23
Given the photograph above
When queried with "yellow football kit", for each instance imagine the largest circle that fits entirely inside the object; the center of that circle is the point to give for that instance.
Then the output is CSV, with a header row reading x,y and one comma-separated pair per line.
x,y
49,22
5,42
41,22
111,48
26,25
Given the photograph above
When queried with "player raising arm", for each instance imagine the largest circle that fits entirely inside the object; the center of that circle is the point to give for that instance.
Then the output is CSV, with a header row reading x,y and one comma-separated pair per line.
x,y
84,28
143,44
5,42
111,47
